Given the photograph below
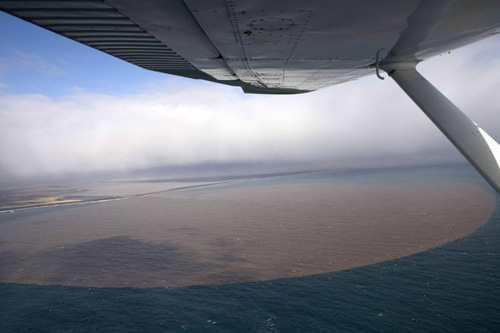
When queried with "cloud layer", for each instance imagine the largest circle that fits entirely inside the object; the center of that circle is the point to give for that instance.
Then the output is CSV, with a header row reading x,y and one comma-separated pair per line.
x,y
363,123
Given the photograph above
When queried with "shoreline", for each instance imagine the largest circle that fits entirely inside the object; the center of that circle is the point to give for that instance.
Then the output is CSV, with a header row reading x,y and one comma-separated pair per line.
x,y
56,204
279,231
94,198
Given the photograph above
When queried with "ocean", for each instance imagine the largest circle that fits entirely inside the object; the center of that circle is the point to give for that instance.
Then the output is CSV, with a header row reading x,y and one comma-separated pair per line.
x,y
453,287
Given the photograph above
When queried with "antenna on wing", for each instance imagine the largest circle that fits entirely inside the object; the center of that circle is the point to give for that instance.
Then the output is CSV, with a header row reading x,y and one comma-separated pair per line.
x,y
377,62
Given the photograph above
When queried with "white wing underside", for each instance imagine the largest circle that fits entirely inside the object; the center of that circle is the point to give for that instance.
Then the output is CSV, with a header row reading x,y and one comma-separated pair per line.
x,y
266,46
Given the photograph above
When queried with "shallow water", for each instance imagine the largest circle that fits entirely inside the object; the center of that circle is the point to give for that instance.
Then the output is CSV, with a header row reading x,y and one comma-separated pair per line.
x,y
450,288
252,230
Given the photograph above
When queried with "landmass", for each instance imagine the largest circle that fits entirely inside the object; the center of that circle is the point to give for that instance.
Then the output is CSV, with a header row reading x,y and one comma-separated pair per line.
x,y
44,196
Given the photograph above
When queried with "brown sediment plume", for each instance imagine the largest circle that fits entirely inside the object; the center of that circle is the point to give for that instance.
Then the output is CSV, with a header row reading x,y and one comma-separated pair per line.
x,y
237,235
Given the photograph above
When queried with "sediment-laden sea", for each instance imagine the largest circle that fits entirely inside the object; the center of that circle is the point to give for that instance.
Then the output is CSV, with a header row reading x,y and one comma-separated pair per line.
x,y
414,249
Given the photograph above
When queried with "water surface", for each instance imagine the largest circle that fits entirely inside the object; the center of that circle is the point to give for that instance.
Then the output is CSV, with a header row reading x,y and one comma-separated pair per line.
x,y
452,288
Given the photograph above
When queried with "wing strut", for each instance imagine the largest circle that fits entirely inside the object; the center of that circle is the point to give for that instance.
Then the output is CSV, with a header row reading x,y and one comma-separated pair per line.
x,y
475,144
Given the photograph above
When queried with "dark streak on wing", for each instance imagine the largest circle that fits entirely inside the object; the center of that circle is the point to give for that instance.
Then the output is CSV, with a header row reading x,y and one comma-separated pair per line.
x,y
265,47
102,27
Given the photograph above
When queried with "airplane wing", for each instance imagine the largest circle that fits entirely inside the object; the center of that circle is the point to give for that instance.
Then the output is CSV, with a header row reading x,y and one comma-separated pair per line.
x,y
265,46
288,47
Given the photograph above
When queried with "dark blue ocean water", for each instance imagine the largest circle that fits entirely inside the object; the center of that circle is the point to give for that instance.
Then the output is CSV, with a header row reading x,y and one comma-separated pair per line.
x,y
453,288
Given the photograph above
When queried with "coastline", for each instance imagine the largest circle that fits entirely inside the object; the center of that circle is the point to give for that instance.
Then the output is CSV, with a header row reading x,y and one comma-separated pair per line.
x,y
240,235
56,203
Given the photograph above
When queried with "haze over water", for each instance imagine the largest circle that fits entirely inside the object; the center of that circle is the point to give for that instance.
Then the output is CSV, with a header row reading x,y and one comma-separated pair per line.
x,y
245,231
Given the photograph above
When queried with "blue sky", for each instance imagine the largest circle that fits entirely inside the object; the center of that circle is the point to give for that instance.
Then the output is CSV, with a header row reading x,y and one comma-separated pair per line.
x,y
35,60
66,108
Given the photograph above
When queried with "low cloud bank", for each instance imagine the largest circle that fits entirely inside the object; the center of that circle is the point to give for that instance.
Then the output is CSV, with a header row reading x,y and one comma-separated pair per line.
x,y
363,123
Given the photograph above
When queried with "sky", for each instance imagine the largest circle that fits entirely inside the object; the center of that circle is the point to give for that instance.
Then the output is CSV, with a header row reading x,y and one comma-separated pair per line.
x,y
66,108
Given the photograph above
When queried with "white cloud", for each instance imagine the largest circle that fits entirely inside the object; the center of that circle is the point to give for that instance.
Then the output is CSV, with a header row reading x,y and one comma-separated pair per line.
x,y
366,122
